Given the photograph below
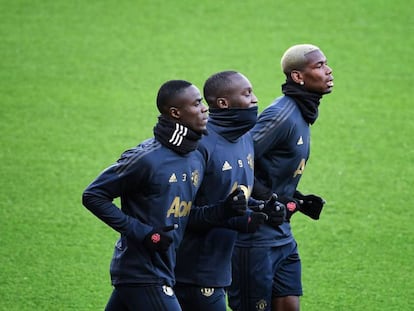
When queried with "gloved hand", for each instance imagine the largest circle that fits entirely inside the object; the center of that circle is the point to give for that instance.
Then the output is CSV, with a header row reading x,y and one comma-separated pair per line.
x,y
292,206
159,240
275,210
236,203
248,223
255,205
311,205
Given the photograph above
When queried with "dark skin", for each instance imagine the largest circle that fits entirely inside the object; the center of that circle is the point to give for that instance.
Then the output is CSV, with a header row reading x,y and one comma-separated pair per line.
x,y
316,75
240,95
288,303
188,109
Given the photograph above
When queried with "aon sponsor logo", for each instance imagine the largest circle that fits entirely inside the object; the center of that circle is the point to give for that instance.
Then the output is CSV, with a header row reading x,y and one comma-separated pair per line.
x,y
179,208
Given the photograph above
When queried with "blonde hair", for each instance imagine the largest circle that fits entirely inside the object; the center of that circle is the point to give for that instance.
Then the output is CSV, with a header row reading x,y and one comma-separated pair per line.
x,y
295,57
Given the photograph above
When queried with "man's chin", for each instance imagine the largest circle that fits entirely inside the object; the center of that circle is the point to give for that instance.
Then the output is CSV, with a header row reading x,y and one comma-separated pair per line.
x,y
327,91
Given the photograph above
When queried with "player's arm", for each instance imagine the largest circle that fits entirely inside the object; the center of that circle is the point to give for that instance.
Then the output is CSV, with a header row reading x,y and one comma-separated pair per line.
x,y
217,215
98,198
260,191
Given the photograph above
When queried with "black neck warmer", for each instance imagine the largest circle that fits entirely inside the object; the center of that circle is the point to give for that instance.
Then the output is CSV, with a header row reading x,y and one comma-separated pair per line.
x,y
176,136
234,122
307,102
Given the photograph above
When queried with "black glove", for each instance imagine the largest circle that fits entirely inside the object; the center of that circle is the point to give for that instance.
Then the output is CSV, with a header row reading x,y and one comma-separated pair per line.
x,y
159,240
255,205
236,203
275,210
311,205
291,205
248,223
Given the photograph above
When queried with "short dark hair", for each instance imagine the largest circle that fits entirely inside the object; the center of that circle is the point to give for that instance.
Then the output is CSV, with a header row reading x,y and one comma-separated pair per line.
x,y
217,86
168,91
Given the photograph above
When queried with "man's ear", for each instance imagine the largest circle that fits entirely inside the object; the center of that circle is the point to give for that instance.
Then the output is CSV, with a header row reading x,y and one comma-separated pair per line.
x,y
296,76
174,112
222,103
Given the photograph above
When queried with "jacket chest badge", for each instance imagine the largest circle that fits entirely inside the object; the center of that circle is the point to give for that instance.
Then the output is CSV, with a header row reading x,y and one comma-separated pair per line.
x,y
195,178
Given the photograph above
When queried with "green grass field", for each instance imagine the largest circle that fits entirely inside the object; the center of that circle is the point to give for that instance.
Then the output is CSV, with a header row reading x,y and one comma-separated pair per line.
x,y
78,81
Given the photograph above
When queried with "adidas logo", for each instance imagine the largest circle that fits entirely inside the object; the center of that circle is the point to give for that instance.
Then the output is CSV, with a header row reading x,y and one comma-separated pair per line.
x,y
173,178
300,141
226,166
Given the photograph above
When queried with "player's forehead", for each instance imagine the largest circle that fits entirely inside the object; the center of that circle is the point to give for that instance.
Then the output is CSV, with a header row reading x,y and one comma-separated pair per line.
x,y
315,57
239,83
187,96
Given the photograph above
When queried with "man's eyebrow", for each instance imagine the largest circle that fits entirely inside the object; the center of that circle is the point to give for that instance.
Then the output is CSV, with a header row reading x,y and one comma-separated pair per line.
x,y
248,88
320,62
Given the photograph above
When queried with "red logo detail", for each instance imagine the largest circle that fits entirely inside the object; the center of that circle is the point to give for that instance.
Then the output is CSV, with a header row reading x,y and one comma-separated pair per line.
x,y
291,206
155,238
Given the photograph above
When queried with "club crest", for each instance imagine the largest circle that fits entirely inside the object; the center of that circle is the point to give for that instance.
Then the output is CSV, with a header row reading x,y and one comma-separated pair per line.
x,y
261,305
167,290
207,291
195,178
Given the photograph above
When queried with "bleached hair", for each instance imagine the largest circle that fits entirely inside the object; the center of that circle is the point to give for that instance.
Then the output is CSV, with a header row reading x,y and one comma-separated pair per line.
x,y
295,57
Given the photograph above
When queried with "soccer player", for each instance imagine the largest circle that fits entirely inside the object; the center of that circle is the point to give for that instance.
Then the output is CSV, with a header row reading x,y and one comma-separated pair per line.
x,y
157,182
266,265
203,269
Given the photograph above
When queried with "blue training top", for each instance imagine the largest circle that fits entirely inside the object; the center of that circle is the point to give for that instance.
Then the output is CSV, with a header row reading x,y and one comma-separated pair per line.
x,y
281,144
204,257
157,187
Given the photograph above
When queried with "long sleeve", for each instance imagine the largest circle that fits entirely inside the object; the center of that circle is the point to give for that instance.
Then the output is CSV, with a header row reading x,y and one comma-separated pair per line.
x,y
98,198
208,216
